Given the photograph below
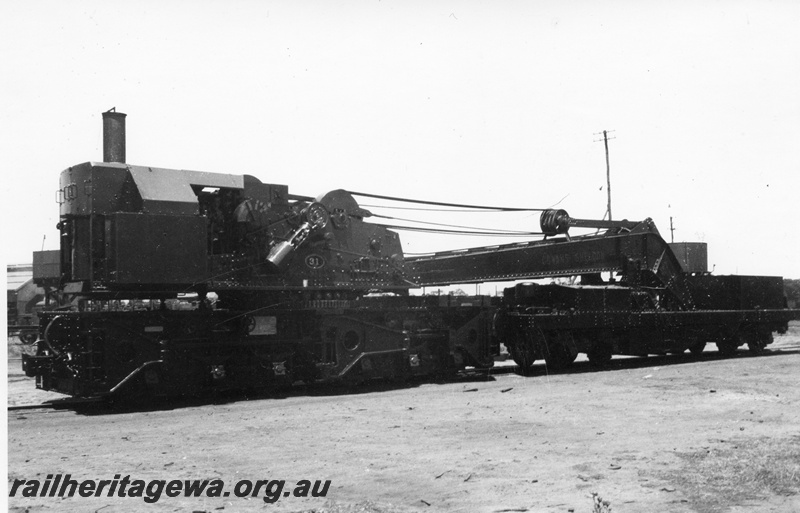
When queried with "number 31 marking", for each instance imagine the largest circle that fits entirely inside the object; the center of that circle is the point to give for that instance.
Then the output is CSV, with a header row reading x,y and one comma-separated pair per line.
x,y
315,261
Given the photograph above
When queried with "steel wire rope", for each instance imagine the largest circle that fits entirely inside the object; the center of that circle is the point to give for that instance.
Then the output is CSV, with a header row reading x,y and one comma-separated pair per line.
x,y
443,204
472,210
496,230
456,232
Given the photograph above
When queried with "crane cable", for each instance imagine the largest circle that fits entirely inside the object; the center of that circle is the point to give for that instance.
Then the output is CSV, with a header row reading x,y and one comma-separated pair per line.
x,y
438,203
474,208
494,230
457,232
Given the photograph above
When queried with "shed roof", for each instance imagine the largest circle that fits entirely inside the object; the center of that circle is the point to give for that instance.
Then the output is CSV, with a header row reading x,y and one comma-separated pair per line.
x,y
18,275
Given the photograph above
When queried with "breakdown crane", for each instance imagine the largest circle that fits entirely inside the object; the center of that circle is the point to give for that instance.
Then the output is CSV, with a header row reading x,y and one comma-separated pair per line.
x,y
178,282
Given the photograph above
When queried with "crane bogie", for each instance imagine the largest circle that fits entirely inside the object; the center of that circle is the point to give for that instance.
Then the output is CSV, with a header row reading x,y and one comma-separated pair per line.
x,y
192,350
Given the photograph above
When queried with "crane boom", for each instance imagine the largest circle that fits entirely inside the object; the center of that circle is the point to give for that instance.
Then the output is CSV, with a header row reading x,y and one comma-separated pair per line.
x,y
634,249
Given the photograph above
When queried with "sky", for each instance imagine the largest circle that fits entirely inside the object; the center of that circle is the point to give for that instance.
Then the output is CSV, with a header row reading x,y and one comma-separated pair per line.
x,y
476,102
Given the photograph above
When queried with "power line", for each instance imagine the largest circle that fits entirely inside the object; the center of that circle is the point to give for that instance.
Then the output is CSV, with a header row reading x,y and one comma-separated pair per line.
x,y
671,230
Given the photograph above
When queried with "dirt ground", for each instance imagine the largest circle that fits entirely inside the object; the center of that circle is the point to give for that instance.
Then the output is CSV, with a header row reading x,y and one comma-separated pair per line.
x,y
662,434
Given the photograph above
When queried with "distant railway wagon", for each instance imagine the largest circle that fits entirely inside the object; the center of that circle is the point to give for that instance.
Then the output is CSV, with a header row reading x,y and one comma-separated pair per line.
x,y
29,289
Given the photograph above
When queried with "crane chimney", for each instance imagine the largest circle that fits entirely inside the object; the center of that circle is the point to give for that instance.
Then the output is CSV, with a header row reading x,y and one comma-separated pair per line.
x,y
113,136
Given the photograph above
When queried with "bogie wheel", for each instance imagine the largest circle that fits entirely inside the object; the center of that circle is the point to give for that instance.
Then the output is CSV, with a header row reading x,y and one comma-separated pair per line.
x,y
758,342
523,358
697,348
560,358
559,355
523,354
28,337
600,354
727,347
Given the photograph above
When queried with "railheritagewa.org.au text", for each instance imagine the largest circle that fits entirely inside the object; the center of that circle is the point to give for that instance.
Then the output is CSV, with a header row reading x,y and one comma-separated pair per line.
x,y
153,490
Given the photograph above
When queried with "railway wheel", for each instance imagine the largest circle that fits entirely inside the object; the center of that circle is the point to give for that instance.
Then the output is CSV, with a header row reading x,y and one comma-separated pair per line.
x,y
523,356
28,337
560,357
600,353
697,348
559,354
727,346
523,352
757,342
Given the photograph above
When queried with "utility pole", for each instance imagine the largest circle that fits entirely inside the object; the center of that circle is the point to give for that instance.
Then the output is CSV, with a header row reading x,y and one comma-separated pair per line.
x,y
671,230
608,168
